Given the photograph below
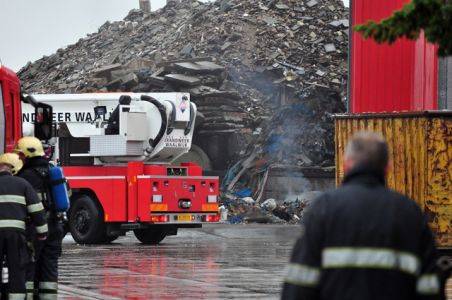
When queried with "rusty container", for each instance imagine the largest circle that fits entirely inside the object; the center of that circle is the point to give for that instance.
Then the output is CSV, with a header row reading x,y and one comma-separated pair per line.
x,y
421,159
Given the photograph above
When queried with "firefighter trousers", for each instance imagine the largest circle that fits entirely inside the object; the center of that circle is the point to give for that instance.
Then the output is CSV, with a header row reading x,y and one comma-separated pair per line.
x,y
42,274
13,248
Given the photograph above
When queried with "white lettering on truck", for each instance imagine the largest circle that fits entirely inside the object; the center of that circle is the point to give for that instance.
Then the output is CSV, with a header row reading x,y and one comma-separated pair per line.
x,y
59,117
177,142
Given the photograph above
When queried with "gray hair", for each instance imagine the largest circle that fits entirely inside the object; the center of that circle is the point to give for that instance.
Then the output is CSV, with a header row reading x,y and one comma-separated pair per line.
x,y
368,149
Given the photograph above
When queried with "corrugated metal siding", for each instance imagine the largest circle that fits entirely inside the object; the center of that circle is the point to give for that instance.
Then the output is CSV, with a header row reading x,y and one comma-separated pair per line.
x,y
421,165
400,77
438,201
449,83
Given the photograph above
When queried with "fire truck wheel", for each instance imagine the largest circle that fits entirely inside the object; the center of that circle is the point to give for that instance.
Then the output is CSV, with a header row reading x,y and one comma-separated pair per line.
x,y
149,236
85,221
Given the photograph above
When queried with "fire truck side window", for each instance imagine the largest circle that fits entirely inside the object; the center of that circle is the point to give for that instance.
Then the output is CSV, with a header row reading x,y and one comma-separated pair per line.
x,y
13,110
2,120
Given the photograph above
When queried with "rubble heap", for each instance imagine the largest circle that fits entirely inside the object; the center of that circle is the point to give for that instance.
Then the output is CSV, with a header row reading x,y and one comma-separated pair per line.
x,y
268,72
302,43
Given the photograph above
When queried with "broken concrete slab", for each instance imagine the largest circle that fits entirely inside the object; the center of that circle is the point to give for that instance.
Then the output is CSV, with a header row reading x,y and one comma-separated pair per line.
x,y
138,63
282,6
106,70
201,67
312,3
187,50
206,91
129,81
336,23
226,46
270,20
330,48
345,22
210,66
182,79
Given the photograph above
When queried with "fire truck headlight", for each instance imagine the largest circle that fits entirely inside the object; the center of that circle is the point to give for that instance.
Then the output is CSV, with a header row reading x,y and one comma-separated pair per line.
x,y
157,198
211,199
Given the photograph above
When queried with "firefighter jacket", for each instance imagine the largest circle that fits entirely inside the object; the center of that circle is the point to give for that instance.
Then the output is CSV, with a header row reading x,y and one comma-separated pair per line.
x,y
35,171
363,241
44,272
17,201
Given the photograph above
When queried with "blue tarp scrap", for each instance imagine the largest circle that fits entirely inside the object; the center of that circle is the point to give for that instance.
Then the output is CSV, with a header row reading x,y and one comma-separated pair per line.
x,y
230,175
298,107
246,192
274,144
235,220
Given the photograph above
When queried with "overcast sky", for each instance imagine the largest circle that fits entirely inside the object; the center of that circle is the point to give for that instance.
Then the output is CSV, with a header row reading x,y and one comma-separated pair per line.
x,y
30,29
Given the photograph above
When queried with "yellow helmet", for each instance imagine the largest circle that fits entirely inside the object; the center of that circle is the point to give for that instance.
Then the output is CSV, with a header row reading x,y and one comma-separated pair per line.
x,y
29,146
13,160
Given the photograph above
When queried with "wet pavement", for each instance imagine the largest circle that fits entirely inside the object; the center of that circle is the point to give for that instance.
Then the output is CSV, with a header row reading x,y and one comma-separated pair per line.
x,y
215,262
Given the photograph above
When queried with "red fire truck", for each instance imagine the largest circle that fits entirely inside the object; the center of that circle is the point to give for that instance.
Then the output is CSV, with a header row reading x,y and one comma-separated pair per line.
x,y
119,167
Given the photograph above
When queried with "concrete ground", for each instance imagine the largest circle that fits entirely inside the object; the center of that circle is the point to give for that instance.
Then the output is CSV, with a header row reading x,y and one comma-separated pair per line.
x,y
215,262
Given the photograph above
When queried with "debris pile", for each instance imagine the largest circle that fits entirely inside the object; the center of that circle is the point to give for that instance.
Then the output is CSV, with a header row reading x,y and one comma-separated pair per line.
x,y
302,43
300,135
270,211
266,76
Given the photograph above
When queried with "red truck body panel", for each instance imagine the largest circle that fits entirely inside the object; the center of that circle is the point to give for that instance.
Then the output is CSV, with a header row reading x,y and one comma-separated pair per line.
x,y
383,78
126,193
10,87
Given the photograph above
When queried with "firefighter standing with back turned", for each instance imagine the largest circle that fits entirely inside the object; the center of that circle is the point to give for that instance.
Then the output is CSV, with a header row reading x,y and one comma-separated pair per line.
x,y
43,274
17,201
364,241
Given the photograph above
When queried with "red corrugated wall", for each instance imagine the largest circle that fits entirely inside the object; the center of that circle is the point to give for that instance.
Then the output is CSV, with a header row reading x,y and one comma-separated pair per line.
x,y
400,77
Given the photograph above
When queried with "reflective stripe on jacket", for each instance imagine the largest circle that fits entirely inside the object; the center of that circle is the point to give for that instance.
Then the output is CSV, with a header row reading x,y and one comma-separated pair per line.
x,y
17,201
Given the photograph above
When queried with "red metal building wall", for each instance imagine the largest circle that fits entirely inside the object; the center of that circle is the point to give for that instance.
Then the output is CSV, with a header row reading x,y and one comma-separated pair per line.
x,y
400,77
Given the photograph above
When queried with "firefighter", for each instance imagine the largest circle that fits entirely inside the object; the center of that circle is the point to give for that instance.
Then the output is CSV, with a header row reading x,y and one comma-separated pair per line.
x,y
17,201
363,241
42,275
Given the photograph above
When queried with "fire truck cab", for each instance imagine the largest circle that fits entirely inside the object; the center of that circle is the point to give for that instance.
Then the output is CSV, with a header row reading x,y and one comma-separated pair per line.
x,y
11,114
10,131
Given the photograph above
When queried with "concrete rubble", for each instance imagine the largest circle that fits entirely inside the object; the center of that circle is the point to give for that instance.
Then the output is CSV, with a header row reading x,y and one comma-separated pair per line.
x,y
266,77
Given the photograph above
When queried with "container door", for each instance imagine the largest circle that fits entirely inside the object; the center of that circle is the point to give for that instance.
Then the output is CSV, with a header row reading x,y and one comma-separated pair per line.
x,y
445,83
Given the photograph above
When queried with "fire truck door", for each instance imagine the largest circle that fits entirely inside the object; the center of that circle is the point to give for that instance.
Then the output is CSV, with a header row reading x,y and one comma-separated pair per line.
x,y
2,121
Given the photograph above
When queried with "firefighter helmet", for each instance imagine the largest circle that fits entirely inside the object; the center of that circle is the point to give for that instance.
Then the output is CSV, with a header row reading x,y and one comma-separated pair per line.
x,y
29,146
13,160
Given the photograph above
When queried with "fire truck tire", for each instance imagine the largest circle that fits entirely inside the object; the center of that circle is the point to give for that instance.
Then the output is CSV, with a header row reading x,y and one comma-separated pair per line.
x,y
86,221
149,236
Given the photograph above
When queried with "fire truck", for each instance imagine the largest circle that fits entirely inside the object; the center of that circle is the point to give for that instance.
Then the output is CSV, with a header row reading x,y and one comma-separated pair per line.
x,y
117,159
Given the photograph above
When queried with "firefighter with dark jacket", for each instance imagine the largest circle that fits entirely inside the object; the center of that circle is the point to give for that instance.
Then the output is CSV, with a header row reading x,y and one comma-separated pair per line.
x,y
364,241
42,275
18,200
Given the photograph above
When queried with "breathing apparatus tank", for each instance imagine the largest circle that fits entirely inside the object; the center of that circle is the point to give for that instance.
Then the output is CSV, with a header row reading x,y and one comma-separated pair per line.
x,y
59,189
